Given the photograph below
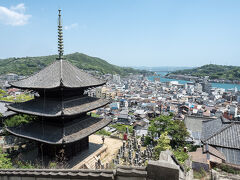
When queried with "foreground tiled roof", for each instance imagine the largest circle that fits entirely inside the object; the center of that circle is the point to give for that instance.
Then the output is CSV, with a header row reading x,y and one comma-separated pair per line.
x,y
59,173
131,171
60,73
120,171
51,134
224,135
214,151
228,137
232,155
210,127
57,107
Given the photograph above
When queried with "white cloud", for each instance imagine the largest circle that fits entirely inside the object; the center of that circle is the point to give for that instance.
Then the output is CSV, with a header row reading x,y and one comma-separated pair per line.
x,y
14,16
20,8
71,26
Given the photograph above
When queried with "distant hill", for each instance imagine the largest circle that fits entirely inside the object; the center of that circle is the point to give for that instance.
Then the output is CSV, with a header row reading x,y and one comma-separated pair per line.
x,y
30,65
162,68
213,71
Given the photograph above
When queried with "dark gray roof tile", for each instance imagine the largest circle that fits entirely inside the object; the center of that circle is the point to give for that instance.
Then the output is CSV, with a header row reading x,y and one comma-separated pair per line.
x,y
210,127
232,155
57,107
81,173
228,136
59,73
47,133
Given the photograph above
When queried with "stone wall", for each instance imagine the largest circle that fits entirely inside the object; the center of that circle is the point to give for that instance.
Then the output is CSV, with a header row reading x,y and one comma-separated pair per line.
x,y
166,168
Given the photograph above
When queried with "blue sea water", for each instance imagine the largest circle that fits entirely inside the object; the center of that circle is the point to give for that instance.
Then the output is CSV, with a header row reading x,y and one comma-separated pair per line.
x,y
217,85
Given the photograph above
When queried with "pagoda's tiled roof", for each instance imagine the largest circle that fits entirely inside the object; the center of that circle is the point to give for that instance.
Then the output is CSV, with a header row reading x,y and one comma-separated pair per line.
x,y
47,133
60,73
57,107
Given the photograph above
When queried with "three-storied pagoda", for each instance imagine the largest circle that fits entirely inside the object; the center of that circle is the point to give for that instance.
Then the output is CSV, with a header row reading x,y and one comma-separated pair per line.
x,y
61,107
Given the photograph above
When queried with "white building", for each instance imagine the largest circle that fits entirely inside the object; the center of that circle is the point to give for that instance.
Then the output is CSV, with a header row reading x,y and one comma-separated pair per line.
x,y
116,78
233,110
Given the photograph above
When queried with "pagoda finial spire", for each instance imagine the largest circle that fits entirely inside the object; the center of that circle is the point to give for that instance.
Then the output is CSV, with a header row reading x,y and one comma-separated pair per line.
x,y
60,36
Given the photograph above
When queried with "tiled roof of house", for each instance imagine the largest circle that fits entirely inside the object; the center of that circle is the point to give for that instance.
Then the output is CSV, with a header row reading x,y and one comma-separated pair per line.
x,y
228,136
210,127
224,135
232,155
213,151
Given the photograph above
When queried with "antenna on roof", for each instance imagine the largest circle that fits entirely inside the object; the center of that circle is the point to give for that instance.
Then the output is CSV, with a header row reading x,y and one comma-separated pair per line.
x,y
60,36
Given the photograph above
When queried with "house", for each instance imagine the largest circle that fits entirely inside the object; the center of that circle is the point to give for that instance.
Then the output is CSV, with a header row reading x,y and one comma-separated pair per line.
x,y
114,105
151,114
203,157
123,117
3,107
194,126
123,103
184,109
141,127
13,91
140,114
223,135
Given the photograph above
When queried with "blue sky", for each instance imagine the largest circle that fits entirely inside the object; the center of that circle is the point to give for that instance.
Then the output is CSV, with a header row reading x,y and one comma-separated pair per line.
x,y
125,32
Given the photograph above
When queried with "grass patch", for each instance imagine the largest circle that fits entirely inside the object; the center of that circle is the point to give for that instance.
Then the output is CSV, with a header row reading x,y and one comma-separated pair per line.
x,y
103,132
228,169
93,114
199,174
18,98
122,128
180,155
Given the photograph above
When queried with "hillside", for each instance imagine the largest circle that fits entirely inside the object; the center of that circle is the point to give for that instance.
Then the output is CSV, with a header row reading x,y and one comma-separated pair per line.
x,y
30,65
213,71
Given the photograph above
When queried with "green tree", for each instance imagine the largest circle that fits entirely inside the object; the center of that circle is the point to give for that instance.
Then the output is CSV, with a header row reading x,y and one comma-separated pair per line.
x,y
178,131
30,65
175,128
19,119
213,71
163,143
180,155
5,162
122,128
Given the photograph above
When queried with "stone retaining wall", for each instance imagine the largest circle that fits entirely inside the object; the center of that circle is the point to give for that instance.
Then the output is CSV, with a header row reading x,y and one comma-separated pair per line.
x,y
166,168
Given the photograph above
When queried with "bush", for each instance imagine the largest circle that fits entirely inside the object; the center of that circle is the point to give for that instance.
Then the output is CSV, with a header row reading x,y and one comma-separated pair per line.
x,y
180,155
199,174
147,140
19,119
163,143
5,162
94,115
52,165
23,165
228,169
